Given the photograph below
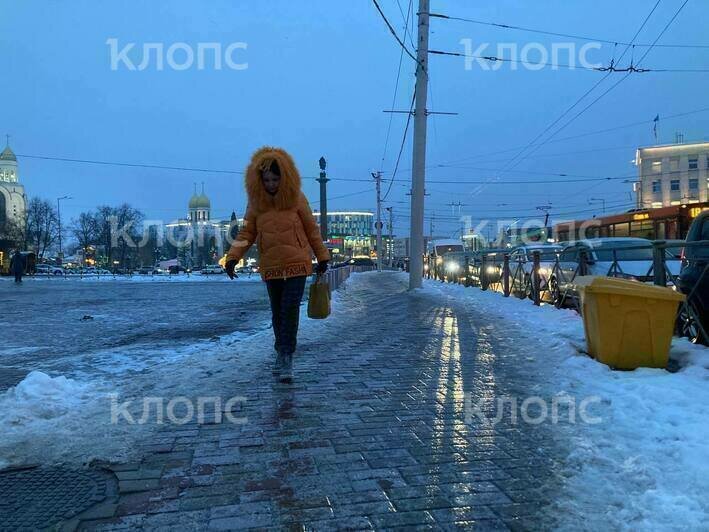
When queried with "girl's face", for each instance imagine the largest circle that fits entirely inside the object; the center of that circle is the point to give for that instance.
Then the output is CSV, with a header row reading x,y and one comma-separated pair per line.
x,y
271,182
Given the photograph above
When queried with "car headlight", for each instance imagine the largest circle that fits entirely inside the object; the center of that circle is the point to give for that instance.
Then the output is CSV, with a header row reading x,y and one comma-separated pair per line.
x,y
425,267
439,260
452,267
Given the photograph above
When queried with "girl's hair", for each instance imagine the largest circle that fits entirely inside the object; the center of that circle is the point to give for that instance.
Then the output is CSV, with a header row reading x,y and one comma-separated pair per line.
x,y
273,168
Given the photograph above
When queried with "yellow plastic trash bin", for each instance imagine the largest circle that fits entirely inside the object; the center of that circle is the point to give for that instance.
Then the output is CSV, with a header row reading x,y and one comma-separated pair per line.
x,y
628,324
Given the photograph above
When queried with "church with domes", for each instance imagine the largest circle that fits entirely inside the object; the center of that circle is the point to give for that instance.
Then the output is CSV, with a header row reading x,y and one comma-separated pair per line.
x,y
202,239
13,201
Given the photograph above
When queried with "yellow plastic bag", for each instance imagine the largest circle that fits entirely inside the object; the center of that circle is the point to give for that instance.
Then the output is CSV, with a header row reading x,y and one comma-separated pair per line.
x,y
319,300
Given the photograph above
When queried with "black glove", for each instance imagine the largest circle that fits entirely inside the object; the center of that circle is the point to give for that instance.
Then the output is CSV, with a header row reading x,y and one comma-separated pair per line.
x,y
230,267
321,267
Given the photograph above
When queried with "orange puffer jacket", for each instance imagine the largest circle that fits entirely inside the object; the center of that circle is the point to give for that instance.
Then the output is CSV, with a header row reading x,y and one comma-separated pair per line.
x,y
282,225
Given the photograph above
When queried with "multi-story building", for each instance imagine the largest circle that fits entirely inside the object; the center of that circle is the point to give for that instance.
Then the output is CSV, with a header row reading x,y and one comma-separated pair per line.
x,y
350,232
672,174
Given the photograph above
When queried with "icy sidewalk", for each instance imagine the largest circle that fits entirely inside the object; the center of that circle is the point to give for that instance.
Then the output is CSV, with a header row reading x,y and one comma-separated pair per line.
x,y
646,465
395,420
391,422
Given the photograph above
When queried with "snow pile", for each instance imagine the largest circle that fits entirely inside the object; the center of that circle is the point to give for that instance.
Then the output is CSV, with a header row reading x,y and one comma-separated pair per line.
x,y
646,464
41,414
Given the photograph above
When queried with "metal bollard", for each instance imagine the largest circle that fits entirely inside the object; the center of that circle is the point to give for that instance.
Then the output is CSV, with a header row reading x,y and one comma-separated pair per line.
x,y
506,275
535,278
484,282
583,263
658,263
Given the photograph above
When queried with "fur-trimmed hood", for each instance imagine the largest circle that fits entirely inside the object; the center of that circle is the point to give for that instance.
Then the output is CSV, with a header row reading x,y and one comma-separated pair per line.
x,y
289,189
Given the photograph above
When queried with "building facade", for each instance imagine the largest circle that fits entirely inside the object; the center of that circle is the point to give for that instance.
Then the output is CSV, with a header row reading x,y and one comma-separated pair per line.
x,y
351,233
672,174
13,204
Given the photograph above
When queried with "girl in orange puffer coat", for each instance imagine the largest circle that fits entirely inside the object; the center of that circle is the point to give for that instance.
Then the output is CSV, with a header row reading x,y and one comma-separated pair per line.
x,y
278,218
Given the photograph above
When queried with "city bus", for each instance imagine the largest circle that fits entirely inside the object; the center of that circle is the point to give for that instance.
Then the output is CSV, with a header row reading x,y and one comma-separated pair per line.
x,y
664,223
443,255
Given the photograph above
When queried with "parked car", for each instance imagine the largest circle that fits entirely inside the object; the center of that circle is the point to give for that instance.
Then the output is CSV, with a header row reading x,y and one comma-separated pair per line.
x,y
148,270
177,269
361,261
48,269
522,264
694,282
213,269
626,257
493,266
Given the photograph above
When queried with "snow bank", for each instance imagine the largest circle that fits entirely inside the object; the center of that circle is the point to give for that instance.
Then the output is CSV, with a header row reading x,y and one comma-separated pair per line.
x,y
41,414
646,465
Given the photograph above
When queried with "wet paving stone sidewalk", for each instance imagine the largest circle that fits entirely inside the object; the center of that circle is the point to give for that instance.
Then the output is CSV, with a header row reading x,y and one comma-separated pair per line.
x,y
372,434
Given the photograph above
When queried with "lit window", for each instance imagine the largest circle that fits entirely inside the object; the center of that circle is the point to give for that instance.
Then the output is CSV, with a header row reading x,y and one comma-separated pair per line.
x,y
656,167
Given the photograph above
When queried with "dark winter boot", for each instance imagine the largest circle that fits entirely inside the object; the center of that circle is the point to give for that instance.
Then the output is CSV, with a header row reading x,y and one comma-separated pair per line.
x,y
286,375
279,363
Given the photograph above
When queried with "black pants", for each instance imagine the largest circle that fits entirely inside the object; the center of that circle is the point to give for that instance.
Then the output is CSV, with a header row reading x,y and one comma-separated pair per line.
x,y
285,296
18,277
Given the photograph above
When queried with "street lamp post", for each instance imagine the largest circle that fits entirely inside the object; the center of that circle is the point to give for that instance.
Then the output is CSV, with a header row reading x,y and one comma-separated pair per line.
x,y
323,199
59,220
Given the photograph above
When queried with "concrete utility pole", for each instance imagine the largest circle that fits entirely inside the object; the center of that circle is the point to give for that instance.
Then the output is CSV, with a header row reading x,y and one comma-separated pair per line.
x,y
391,237
418,172
378,180
323,199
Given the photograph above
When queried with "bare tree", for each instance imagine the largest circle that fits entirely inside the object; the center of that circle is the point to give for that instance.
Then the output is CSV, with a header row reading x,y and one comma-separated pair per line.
x,y
128,220
85,231
117,229
42,226
13,233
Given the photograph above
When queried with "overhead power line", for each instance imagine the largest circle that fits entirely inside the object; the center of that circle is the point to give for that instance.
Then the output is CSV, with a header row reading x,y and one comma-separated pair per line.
x,y
494,58
501,183
393,32
393,104
593,102
519,157
561,34
610,68
401,148
131,165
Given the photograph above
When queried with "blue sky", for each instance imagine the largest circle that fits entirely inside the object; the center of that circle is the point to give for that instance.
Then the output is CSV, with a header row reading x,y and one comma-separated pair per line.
x,y
320,74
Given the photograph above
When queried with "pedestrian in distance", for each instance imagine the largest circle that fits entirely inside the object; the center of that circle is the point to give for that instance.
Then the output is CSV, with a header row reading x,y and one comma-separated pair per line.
x,y
279,220
17,265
